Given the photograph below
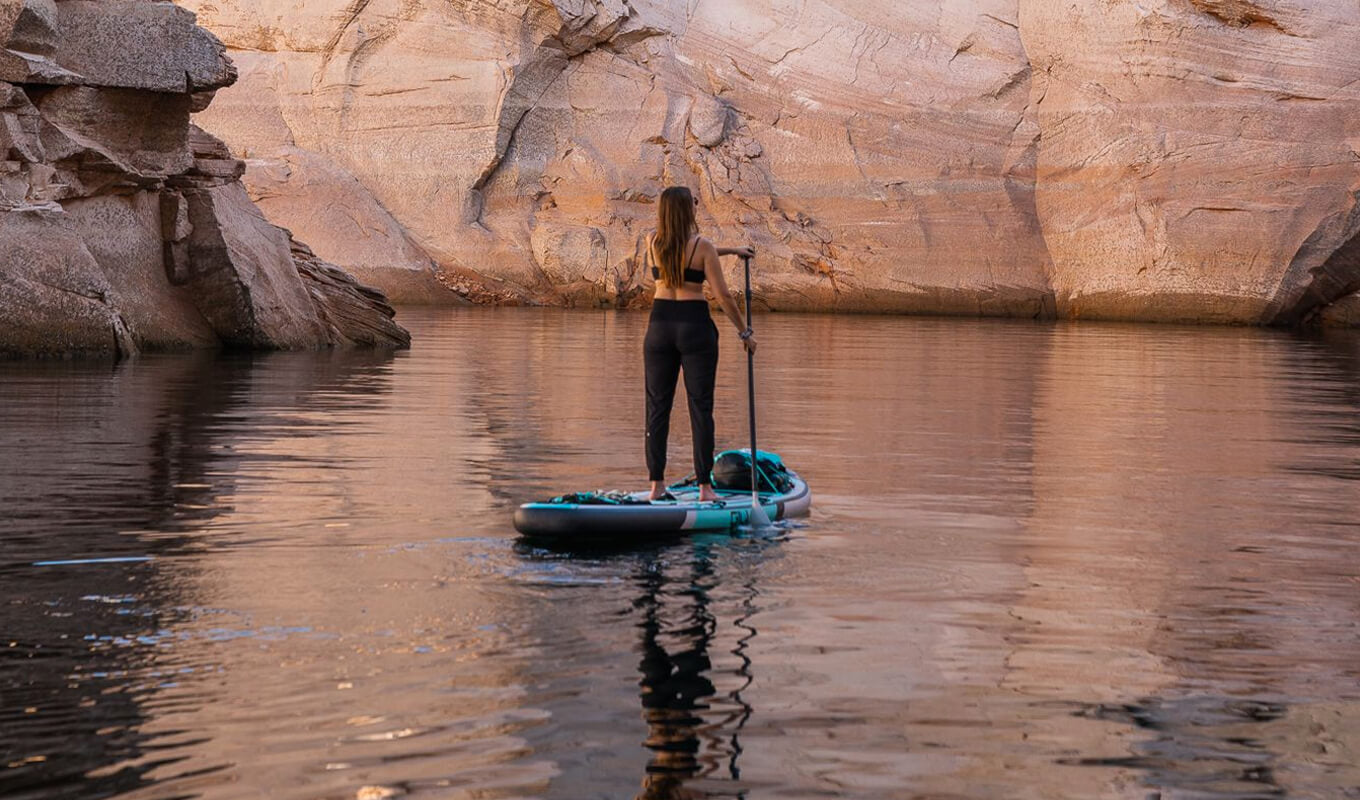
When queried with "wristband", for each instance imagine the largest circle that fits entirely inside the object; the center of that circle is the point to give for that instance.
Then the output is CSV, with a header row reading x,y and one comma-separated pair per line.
x,y
746,334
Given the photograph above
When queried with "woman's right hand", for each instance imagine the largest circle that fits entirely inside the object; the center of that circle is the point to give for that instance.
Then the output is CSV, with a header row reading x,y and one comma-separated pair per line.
x,y
750,344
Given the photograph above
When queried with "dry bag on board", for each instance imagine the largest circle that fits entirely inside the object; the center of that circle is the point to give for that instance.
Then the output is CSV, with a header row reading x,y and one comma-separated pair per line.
x,y
732,470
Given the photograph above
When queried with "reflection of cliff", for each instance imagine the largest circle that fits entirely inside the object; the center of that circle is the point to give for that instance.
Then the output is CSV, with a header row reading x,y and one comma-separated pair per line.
x,y
1210,745
945,417
135,462
1329,401
886,666
1161,569
546,388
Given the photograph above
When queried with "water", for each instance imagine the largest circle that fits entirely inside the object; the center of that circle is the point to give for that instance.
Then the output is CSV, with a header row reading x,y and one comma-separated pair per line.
x,y
1044,562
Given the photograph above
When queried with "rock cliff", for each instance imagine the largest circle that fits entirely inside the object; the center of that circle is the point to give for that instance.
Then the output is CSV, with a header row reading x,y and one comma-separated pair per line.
x,y
125,228
1197,159
1166,160
879,155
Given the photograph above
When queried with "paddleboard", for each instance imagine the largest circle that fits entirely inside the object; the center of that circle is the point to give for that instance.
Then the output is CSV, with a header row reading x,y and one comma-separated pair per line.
x,y
622,514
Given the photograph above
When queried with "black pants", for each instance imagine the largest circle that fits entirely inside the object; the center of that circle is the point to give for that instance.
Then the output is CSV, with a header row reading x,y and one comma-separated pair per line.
x,y
681,334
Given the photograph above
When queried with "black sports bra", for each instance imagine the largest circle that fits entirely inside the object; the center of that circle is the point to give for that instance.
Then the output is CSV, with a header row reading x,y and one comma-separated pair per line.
x,y
691,275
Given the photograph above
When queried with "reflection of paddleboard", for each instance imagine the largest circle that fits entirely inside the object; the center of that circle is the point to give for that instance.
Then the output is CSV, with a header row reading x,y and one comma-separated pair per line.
x,y
617,514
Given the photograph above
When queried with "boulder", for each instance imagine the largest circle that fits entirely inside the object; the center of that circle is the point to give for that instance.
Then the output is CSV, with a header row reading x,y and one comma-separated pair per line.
x,y
354,314
17,67
213,163
30,27
570,253
136,134
134,44
125,228
241,274
28,39
54,295
20,126
708,120
124,235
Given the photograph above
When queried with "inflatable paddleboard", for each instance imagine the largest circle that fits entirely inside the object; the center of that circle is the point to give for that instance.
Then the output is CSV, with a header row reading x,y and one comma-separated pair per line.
x,y
625,514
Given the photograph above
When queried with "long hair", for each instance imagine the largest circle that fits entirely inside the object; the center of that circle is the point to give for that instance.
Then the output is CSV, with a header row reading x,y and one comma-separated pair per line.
x,y
674,226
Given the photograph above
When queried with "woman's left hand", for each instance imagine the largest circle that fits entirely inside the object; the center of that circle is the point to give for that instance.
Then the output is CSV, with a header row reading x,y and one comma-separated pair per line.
x,y
745,251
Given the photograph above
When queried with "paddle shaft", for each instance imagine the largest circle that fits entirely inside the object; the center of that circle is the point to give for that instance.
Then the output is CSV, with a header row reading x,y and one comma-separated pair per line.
x,y
751,387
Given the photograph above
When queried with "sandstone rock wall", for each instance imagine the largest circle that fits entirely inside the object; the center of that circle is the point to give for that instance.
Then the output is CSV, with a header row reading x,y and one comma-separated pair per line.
x,y
875,153
124,227
1165,159
1199,159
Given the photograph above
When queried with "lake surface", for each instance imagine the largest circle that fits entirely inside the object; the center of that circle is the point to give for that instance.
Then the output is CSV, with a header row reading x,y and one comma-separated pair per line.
x,y
1044,561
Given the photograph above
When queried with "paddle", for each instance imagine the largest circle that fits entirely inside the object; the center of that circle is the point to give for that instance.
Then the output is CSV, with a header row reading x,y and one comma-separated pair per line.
x,y
758,518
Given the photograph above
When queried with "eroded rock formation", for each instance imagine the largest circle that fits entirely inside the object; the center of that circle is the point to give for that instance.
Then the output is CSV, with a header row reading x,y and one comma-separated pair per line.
x,y
1166,159
126,228
876,153
1199,159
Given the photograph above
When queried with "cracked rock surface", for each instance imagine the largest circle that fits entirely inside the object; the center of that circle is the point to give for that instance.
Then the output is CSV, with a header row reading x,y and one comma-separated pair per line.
x,y
125,228
1194,160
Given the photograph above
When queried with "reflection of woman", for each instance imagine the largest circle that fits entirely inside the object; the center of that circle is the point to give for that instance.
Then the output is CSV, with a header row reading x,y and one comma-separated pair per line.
x,y
680,704
682,335
674,689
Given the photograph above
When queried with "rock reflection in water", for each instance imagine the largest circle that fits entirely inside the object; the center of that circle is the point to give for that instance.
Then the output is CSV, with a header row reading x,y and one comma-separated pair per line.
x,y
1199,746
1047,562
134,460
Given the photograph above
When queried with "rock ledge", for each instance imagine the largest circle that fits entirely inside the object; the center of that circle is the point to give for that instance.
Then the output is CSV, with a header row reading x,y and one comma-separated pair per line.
x,y
125,228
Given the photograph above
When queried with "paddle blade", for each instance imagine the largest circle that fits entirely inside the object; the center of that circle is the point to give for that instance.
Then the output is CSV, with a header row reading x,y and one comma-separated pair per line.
x,y
758,519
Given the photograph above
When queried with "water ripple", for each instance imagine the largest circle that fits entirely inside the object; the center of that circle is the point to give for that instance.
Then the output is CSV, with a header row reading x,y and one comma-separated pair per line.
x,y
1044,562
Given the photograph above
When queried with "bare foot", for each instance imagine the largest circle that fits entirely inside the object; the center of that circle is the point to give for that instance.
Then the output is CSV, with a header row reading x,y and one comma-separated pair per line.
x,y
707,495
658,491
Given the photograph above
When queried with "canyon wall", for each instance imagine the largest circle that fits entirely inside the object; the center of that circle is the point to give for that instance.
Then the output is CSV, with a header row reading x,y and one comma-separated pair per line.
x,y
125,228
1168,159
1198,160
878,156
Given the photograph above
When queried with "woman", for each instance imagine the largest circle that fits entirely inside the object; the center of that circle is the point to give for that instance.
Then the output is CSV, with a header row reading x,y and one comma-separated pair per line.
x,y
681,335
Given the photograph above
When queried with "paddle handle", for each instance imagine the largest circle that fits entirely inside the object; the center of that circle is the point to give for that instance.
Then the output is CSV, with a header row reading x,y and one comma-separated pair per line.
x,y
751,383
